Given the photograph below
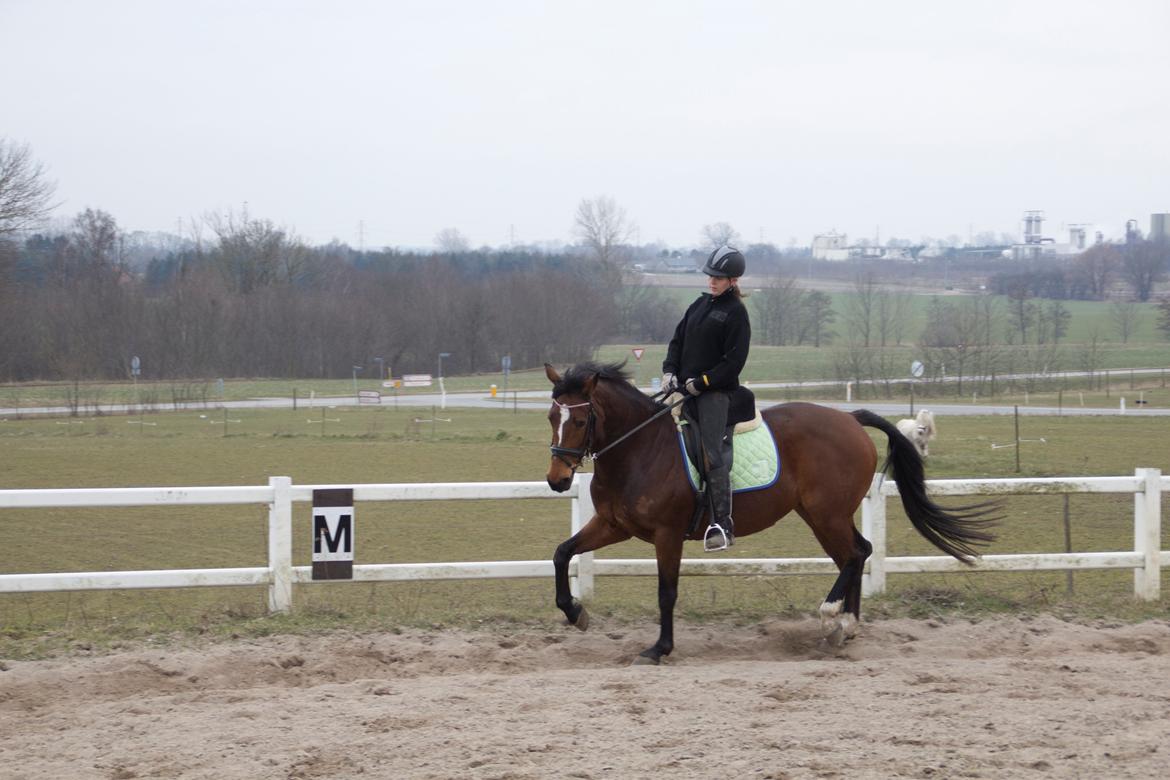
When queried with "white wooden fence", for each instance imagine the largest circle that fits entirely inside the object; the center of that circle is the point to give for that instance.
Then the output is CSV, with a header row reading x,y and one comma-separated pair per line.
x,y
1146,558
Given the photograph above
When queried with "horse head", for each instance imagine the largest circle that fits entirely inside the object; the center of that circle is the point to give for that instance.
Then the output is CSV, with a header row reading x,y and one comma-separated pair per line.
x,y
573,420
926,423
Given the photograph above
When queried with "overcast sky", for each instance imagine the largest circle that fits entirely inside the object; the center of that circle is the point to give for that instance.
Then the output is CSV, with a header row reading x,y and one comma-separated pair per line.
x,y
784,119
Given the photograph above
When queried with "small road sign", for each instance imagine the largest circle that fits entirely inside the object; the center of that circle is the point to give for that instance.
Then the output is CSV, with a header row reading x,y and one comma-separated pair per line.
x,y
416,380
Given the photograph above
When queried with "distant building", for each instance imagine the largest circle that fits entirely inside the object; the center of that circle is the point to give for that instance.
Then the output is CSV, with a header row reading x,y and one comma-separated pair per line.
x,y
1160,227
830,246
1036,245
674,263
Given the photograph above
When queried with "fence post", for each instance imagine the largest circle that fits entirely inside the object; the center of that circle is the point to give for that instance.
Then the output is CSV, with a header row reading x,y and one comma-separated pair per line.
x,y
873,527
581,585
280,544
1147,534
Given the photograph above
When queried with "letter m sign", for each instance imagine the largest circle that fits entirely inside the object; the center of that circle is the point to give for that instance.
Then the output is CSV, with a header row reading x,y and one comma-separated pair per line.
x,y
333,534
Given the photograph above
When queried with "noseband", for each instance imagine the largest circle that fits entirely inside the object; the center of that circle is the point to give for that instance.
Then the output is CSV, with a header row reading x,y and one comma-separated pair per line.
x,y
580,453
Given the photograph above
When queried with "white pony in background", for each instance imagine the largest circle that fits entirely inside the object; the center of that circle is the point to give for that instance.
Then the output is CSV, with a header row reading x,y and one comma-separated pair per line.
x,y
919,431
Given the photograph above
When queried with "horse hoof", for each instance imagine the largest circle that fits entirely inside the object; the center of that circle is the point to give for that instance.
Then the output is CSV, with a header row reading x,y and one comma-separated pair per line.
x,y
645,660
836,637
582,623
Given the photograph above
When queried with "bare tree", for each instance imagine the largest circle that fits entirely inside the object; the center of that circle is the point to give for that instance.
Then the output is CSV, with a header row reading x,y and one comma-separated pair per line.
x,y
603,227
777,314
720,234
1145,265
1124,316
1096,267
25,192
893,316
1164,317
254,253
1022,314
859,309
645,312
958,336
97,243
1052,322
1091,356
816,315
450,241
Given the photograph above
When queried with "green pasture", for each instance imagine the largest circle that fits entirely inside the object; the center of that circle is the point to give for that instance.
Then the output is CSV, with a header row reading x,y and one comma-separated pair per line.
x,y
364,445
1087,317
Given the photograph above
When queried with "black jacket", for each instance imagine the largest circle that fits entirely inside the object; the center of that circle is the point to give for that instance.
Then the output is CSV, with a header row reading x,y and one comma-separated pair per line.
x,y
711,342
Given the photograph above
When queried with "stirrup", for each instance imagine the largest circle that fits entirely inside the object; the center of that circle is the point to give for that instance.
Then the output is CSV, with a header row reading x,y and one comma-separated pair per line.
x,y
714,542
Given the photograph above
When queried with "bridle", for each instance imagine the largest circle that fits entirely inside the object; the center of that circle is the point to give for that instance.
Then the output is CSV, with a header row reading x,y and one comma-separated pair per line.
x,y
586,448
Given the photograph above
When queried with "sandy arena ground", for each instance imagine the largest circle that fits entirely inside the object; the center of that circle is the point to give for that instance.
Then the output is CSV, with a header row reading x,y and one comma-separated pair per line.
x,y
1002,698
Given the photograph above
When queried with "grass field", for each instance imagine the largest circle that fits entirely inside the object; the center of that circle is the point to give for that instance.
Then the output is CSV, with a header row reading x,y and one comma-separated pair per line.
x,y
361,445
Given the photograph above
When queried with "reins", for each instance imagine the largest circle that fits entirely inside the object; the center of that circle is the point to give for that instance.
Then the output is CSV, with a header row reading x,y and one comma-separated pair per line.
x,y
637,428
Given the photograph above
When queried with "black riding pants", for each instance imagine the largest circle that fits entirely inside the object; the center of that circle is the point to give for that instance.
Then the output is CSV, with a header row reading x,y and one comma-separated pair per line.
x,y
712,413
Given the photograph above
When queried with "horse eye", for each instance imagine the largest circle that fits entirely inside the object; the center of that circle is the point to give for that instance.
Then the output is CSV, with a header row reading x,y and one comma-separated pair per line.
x,y
579,423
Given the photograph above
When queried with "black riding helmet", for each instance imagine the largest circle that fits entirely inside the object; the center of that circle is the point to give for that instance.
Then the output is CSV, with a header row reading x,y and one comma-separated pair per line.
x,y
727,262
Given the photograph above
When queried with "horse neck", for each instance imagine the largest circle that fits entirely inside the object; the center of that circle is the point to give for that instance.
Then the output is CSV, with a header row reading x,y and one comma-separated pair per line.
x,y
622,415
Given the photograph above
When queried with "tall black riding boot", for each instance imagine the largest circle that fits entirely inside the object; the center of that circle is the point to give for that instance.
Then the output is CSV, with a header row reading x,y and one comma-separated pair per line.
x,y
721,533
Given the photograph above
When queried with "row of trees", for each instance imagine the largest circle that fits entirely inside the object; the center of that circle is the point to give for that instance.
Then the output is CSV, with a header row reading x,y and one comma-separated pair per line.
x,y
258,302
1093,275
254,300
963,351
245,297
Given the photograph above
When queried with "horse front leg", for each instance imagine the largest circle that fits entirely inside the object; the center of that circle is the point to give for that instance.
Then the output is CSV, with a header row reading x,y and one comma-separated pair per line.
x,y
596,534
668,546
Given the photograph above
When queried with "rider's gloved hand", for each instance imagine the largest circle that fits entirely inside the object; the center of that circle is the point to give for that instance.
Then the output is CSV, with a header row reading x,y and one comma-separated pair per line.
x,y
693,387
669,382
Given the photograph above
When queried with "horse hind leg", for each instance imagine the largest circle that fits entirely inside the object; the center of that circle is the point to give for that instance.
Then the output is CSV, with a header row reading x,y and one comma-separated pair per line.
x,y
852,615
841,609
668,549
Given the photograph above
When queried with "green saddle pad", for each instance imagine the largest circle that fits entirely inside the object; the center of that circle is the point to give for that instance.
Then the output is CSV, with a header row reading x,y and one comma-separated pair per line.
x,y
755,461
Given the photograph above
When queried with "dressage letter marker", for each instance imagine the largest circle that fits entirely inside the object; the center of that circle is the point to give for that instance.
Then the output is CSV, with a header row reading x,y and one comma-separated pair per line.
x,y
333,534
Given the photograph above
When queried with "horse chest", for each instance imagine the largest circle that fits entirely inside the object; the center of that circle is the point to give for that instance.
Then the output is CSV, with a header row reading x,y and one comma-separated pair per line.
x,y
638,516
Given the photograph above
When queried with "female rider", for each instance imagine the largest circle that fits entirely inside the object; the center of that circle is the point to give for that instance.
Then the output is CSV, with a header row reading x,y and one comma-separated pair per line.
x,y
705,356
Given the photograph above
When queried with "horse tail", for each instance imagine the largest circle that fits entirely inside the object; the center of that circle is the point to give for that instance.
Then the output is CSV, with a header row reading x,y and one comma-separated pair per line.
x,y
957,530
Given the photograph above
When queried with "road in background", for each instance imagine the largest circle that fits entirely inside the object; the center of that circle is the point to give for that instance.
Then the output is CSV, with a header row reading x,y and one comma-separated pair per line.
x,y
539,399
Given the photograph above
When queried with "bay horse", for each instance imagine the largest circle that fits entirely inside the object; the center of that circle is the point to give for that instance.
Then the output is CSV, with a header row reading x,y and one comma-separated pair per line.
x,y
640,489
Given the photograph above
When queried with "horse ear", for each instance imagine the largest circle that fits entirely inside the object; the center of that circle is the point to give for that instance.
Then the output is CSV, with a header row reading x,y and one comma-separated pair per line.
x,y
551,373
590,385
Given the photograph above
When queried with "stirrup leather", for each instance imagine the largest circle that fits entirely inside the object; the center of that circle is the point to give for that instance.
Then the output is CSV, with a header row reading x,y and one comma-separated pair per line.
x,y
716,538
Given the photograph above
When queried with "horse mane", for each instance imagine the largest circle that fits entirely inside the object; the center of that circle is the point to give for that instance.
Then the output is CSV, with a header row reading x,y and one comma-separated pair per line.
x,y
573,380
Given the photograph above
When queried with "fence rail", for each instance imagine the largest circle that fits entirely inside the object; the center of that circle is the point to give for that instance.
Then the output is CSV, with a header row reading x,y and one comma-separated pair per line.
x,y
1146,559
